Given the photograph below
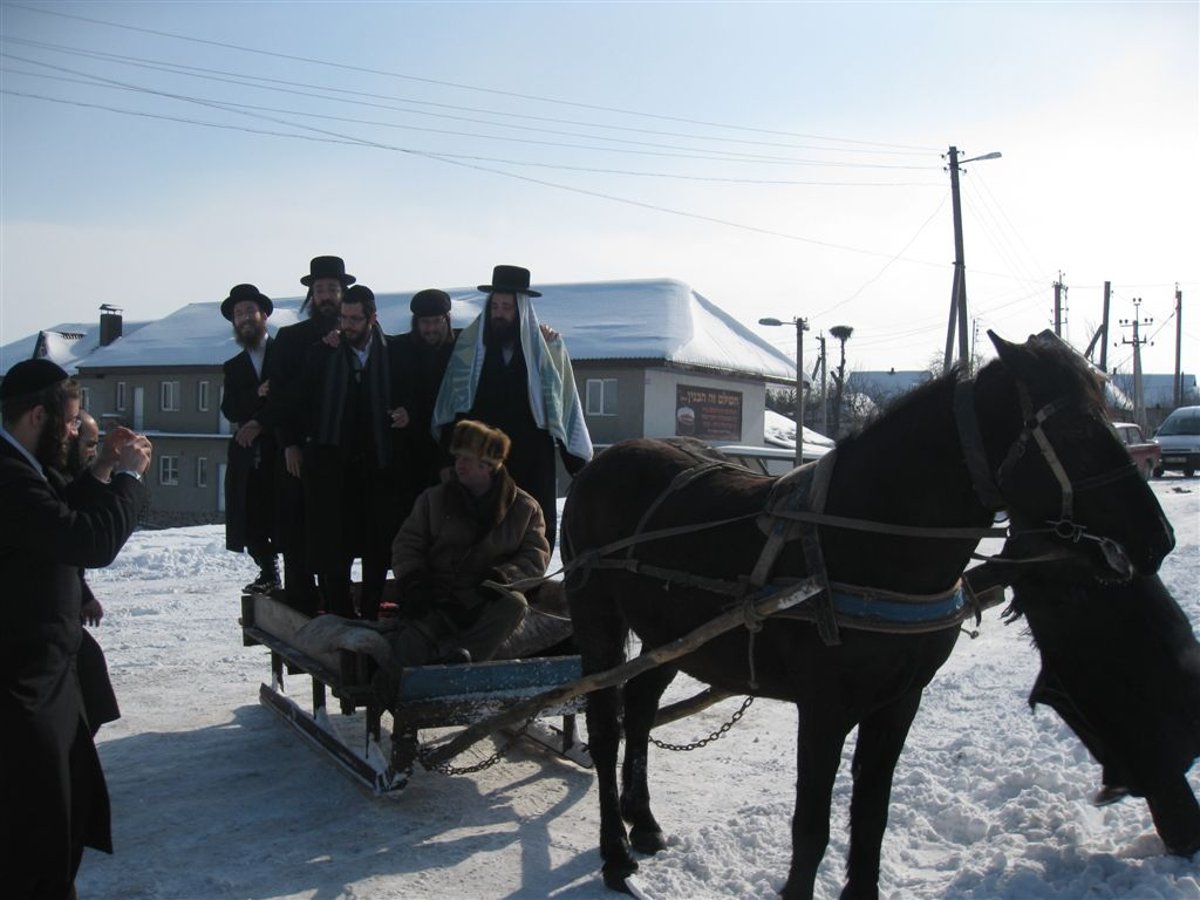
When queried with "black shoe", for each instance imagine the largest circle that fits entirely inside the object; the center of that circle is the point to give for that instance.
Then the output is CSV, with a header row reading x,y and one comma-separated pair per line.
x,y
266,582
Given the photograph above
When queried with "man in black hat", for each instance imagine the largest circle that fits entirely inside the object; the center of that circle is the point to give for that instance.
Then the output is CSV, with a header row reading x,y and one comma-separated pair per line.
x,y
422,357
250,472
351,459
285,413
502,394
53,799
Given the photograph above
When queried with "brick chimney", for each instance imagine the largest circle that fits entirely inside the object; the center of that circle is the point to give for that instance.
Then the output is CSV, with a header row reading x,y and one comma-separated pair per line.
x,y
110,324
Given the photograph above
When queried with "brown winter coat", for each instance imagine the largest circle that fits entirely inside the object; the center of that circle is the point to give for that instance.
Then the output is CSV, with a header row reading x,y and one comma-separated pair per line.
x,y
460,541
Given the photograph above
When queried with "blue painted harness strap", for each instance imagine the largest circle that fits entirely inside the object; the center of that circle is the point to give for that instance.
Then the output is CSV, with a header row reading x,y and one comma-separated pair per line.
x,y
864,607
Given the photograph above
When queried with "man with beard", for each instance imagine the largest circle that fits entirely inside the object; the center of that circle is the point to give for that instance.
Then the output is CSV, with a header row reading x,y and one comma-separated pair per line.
x,y
53,800
350,468
284,414
84,460
250,472
525,387
422,357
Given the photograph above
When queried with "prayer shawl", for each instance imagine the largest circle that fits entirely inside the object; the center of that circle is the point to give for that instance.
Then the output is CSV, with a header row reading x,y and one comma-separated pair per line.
x,y
553,399
338,381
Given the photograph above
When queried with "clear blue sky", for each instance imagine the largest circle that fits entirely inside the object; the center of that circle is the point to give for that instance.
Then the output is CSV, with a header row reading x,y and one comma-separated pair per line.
x,y
788,157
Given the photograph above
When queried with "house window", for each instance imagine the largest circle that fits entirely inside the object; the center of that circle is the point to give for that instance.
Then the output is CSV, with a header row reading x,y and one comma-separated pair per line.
x,y
202,396
602,396
168,470
121,395
169,396
84,398
201,471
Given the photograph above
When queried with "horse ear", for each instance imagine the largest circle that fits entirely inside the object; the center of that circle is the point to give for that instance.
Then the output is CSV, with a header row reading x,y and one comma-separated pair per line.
x,y
1004,349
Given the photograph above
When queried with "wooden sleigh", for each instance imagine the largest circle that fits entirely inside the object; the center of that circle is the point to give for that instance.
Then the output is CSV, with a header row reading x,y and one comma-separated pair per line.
x,y
431,696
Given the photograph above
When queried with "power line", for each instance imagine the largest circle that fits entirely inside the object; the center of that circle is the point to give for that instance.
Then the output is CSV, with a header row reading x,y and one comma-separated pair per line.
x,y
487,90
287,86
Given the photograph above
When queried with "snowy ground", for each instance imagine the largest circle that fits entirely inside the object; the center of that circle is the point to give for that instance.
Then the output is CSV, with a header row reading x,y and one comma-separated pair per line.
x,y
214,797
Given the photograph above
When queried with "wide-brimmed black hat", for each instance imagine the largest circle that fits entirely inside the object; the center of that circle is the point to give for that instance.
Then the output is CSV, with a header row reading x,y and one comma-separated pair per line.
x,y
430,302
509,280
327,267
30,376
242,292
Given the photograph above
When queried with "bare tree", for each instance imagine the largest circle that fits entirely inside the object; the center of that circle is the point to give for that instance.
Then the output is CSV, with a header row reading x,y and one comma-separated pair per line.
x,y
840,333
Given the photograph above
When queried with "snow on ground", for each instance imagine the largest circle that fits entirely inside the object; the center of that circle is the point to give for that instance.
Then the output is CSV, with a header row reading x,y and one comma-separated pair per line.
x,y
214,797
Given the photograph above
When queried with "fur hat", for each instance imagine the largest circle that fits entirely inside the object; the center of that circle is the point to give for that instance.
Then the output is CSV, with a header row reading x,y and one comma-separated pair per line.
x,y
327,267
476,440
430,302
32,375
509,280
242,292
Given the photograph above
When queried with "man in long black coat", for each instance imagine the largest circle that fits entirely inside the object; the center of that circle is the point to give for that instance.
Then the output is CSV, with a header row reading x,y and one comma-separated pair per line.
x,y
53,800
284,414
422,356
352,456
250,472
502,395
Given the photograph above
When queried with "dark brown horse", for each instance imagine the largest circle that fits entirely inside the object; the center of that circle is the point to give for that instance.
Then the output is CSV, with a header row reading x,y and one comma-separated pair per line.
x,y
1034,425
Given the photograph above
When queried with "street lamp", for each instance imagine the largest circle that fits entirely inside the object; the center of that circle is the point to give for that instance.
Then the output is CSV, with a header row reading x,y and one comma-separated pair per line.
x,y
801,327
958,292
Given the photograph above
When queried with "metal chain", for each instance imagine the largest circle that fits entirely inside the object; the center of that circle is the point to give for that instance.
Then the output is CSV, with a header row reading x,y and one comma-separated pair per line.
x,y
715,736
448,769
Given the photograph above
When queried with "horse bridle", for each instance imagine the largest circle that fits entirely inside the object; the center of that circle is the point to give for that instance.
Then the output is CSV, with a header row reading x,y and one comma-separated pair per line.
x,y
988,488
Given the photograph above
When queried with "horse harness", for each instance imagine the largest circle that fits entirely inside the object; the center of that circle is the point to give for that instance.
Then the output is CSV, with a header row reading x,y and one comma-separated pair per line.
x,y
795,509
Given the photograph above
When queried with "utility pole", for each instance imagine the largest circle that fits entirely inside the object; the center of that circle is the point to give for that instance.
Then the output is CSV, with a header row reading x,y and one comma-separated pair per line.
x,y
1139,411
958,291
801,327
824,399
1104,340
1059,293
1178,346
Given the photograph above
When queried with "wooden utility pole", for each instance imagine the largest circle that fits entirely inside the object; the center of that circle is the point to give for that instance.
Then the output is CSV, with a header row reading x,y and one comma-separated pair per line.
x,y
958,291
1104,326
1178,346
1059,292
824,397
1139,409
801,327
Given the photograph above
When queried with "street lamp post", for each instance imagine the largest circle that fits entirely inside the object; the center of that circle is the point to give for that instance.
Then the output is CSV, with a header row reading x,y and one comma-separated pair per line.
x,y
958,292
801,327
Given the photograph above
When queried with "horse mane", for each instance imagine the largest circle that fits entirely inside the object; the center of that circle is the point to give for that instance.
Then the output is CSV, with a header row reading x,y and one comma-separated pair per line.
x,y
899,405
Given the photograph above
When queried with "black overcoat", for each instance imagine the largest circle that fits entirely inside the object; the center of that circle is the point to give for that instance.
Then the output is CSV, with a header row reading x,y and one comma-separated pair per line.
x,y
250,470
53,798
420,372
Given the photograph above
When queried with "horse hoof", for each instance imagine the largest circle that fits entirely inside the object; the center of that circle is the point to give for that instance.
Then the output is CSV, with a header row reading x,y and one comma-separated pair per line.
x,y
614,877
647,841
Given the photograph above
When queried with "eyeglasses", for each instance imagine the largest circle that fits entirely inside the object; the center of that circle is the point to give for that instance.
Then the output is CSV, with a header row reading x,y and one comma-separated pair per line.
x,y
354,320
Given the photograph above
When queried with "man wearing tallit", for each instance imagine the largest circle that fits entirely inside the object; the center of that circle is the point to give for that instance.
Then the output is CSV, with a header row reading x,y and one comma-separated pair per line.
x,y
505,372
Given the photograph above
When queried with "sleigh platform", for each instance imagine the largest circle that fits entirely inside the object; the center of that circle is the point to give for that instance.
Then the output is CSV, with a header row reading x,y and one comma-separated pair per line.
x,y
432,696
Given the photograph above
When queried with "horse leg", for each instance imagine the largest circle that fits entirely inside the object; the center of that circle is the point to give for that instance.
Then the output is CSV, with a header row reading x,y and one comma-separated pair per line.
x,y
818,755
881,737
1176,816
641,703
600,634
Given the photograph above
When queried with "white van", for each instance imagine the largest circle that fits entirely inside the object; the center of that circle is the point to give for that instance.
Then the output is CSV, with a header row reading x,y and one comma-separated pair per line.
x,y
1179,437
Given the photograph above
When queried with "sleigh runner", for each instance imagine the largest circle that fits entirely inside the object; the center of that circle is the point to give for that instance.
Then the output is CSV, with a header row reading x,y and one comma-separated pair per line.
x,y
430,696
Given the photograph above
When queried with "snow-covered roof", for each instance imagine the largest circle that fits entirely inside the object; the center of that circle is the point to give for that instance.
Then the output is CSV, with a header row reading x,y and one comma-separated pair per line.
x,y
68,344
650,319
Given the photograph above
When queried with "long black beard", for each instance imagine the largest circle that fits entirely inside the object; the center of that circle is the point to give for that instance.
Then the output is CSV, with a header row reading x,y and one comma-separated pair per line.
x,y
497,334
249,344
51,450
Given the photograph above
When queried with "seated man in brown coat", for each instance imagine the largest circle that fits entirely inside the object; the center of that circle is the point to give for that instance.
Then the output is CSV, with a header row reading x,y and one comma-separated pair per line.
x,y
464,542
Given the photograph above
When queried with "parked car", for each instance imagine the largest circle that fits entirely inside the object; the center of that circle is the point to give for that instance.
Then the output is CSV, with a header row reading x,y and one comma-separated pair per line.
x,y
1179,438
1145,453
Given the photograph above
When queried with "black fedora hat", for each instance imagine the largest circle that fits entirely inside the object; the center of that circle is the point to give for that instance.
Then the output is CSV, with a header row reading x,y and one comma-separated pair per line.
x,y
509,280
430,302
327,267
242,292
30,376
